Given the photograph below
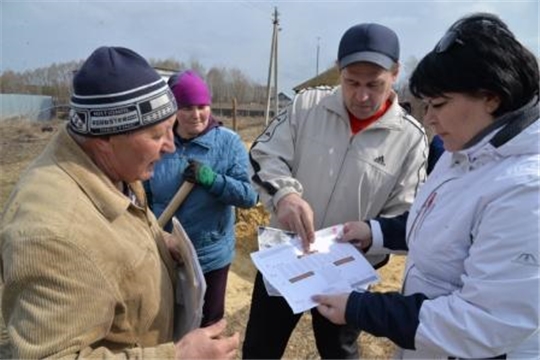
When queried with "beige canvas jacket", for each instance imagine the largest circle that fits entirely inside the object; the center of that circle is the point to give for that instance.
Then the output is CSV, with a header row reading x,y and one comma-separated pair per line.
x,y
309,149
86,272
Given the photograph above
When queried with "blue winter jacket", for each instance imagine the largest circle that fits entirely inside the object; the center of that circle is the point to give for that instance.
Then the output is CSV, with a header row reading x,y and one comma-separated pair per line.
x,y
207,215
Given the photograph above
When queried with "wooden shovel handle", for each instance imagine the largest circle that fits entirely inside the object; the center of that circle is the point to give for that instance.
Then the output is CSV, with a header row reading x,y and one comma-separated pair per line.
x,y
175,203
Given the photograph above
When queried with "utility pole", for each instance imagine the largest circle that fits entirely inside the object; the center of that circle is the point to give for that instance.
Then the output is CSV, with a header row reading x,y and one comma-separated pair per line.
x,y
274,65
317,72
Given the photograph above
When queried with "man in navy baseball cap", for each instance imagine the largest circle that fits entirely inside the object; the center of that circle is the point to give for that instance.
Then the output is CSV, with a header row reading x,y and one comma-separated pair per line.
x,y
381,153
368,55
372,43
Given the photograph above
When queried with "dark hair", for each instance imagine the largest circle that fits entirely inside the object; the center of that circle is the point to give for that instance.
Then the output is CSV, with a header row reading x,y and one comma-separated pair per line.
x,y
406,106
172,80
479,55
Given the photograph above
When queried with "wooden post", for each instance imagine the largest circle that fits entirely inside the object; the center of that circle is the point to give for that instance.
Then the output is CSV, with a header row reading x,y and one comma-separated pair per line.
x,y
234,125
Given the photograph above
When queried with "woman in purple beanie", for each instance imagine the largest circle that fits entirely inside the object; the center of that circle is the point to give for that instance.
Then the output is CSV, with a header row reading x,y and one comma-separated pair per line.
x,y
216,161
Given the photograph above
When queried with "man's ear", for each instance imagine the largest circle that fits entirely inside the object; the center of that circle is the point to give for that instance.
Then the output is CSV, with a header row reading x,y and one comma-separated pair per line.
x,y
102,143
395,70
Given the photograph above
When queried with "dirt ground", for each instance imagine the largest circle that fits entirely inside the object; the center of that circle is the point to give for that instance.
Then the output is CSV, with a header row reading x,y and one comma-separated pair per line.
x,y
21,141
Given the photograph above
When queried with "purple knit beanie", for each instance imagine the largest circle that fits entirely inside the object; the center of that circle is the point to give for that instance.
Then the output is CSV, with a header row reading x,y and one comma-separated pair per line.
x,y
189,89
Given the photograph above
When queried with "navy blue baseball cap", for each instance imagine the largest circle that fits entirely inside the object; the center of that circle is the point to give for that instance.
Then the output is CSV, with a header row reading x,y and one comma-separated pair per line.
x,y
372,43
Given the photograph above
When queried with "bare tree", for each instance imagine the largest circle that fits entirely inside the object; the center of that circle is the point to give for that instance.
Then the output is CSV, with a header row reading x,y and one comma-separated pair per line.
x,y
240,85
197,66
10,82
217,81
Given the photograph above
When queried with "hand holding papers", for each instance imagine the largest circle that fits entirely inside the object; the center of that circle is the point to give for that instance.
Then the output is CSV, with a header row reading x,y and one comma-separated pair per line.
x,y
329,268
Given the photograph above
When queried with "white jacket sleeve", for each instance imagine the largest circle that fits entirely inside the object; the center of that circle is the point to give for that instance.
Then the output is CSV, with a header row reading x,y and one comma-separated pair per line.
x,y
271,157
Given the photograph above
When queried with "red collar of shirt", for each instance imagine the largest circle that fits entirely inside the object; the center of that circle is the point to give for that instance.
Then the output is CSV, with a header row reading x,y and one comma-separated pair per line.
x,y
358,125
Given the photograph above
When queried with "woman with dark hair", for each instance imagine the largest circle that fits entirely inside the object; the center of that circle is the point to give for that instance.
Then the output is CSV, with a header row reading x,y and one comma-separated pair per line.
x,y
471,282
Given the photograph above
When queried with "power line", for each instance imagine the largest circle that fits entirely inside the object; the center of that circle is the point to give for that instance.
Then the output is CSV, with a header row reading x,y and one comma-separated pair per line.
x,y
253,5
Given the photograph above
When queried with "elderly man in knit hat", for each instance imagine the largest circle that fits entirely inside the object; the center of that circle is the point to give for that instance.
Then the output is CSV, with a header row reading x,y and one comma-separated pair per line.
x,y
215,159
86,269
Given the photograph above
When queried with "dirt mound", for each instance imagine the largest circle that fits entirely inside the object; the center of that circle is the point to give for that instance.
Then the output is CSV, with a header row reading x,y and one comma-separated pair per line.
x,y
247,221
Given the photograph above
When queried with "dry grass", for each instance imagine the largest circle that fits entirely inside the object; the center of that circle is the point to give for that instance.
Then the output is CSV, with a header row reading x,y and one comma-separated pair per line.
x,y
21,141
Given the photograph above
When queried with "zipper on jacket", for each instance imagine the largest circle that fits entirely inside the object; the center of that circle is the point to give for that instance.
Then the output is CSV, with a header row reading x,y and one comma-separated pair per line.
x,y
425,209
426,206
323,219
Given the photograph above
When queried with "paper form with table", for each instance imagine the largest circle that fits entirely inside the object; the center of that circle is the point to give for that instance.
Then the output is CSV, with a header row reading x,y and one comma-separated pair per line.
x,y
329,268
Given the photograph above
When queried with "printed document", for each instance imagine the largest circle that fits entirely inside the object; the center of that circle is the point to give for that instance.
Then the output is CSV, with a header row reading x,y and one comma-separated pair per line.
x,y
330,267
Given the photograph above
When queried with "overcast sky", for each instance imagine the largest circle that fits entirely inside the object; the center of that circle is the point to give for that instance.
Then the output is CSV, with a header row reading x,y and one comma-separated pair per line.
x,y
233,33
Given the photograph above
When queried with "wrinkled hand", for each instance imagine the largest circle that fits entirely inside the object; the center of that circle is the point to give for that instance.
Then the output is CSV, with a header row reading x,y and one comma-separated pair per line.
x,y
332,307
170,241
208,343
199,173
295,214
358,233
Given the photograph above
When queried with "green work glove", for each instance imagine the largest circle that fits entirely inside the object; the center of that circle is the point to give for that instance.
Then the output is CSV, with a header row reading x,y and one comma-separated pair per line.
x,y
199,173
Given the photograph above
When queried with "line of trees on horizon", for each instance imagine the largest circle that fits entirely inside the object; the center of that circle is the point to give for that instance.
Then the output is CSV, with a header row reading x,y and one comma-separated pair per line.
x,y
225,84
55,80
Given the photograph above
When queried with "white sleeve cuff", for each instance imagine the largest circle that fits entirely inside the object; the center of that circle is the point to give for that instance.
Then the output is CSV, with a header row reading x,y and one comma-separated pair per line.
x,y
377,243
